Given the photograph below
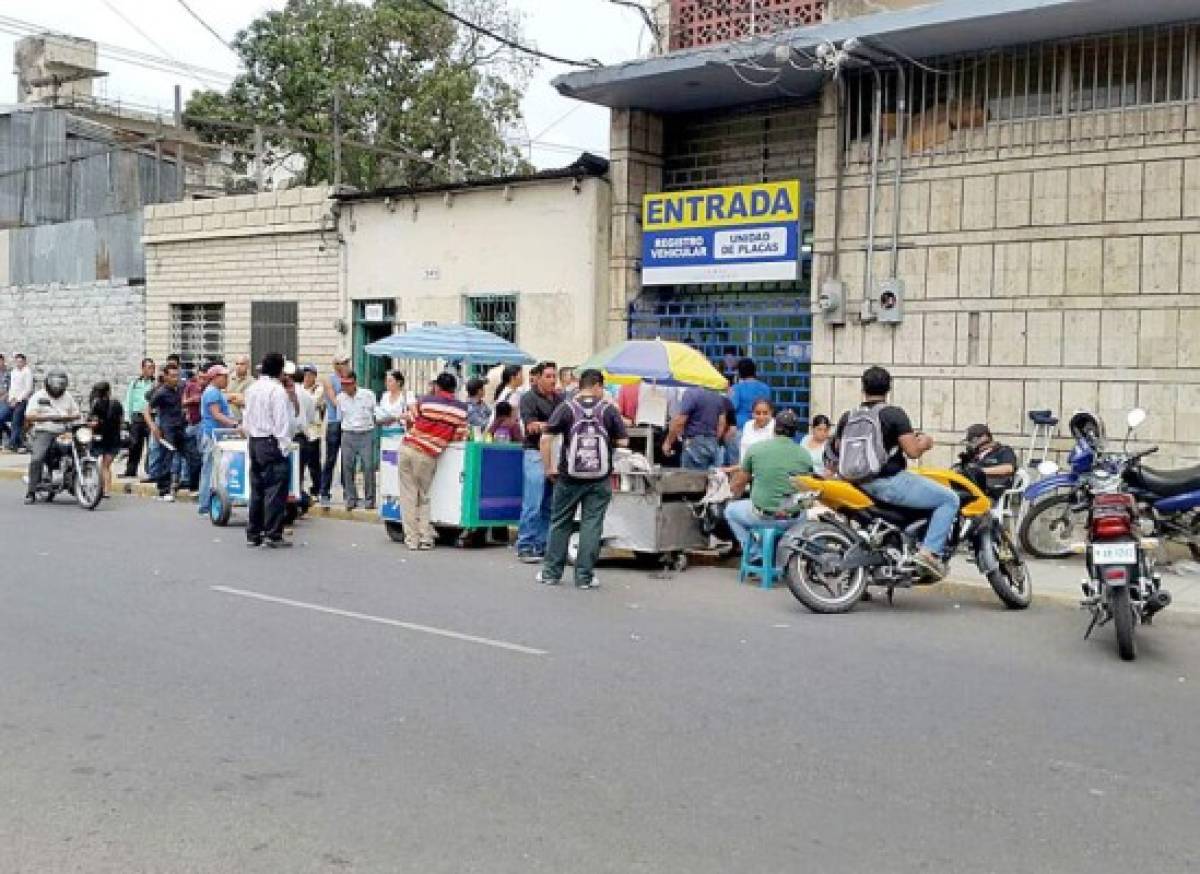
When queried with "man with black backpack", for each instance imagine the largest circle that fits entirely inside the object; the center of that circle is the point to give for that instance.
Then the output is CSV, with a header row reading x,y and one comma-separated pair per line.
x,y
869,449
591,427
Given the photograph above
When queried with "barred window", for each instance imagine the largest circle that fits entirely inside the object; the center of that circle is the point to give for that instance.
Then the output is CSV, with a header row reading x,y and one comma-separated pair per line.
x,y
197,332
496,313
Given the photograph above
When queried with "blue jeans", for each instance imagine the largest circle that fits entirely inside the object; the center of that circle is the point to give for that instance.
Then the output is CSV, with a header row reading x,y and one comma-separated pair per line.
x,y
17,437
535,506
742,518
154,460
701,452
207,453
920,493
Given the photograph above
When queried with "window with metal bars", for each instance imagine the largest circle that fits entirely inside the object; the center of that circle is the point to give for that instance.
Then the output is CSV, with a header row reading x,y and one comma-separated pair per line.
x,y
197,332
1096,91
496,313
274,326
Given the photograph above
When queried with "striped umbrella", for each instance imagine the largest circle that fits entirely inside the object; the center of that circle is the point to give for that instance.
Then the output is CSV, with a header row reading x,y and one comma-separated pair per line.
x,y
450,343
657,361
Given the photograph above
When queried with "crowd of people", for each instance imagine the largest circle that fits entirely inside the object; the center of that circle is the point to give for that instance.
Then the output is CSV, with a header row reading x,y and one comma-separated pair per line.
x,y
569,427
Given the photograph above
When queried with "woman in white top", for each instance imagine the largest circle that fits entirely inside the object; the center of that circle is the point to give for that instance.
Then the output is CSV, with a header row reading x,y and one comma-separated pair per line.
x,y
392,409
816,438
760,427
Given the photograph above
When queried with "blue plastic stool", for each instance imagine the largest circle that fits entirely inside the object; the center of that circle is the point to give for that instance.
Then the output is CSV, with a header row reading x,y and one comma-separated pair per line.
x,y
765,539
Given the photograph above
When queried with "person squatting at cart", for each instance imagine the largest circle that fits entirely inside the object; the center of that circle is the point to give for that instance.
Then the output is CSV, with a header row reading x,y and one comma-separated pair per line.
x,y
591,428
268,424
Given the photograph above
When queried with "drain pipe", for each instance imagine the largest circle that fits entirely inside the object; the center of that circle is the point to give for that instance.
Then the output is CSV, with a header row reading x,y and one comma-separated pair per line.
x,y
872,195
901,109
839,170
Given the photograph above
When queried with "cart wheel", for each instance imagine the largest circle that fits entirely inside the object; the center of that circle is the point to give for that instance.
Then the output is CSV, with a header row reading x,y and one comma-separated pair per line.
x,y
219,508
679,563
395,530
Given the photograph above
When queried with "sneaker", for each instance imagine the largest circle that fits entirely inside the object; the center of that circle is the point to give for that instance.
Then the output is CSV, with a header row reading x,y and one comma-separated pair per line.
x,y
546,581
425,546
593,583
326,501
166,499
279,544
30,499
254,543
529,558
933,566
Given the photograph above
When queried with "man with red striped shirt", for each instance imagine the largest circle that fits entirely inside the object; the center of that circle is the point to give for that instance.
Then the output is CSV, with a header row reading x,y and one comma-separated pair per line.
x,y
439,419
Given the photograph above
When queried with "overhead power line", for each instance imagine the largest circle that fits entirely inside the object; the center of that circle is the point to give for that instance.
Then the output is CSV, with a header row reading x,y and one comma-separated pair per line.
x,y
206,25
136,29
503,40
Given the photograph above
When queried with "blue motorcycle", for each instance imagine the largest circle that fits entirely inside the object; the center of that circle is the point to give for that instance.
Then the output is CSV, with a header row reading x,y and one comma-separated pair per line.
x,y
1057,505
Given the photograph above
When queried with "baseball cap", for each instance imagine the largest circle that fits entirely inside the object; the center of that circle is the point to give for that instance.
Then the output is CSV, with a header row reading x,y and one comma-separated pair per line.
x,y
341,359
977,431
217,370
308,368
289,367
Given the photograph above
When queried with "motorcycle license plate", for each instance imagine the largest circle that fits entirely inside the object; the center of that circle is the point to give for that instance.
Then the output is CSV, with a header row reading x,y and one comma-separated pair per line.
x,y
1114,553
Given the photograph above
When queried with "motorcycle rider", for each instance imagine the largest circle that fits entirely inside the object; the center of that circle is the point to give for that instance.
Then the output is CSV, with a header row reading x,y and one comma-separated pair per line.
x,y
989,464
48,412
894,484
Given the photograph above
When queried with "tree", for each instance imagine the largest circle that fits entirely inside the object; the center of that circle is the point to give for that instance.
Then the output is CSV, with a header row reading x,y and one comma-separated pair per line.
x,y
407,79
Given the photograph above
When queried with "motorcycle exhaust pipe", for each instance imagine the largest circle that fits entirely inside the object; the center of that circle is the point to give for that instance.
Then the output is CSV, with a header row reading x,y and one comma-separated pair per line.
x,y
1160,600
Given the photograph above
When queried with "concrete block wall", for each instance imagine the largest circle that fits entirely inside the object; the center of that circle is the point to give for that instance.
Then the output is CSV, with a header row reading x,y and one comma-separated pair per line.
x,y
1062,280
277,246
95,330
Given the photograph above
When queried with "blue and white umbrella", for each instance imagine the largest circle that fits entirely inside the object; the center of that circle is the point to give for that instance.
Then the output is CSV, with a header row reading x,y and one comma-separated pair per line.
x,y
450,343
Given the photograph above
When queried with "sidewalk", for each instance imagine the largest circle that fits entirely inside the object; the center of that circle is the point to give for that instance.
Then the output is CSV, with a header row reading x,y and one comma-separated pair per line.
x,y
1053,581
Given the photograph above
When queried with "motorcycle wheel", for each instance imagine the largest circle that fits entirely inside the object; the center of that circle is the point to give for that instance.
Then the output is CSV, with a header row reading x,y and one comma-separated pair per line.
x,y
89,487
816,590
1010,581
1047,531
1123,621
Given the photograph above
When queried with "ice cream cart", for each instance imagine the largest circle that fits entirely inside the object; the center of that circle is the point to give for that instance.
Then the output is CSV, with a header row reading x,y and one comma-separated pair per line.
x,y
231,475
478,485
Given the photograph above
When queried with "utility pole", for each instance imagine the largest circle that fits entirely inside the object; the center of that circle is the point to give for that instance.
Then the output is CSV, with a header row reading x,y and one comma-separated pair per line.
x,y
337,136
180,172
258,157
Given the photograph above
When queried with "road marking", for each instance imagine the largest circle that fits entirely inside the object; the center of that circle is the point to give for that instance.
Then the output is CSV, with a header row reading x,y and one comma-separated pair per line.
x,y
383,620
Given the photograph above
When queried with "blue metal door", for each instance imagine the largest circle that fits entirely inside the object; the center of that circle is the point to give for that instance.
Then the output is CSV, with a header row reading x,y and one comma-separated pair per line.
x,y
772,327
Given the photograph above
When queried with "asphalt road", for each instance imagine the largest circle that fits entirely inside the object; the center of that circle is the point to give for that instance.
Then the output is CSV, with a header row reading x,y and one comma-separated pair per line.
x,y
152,723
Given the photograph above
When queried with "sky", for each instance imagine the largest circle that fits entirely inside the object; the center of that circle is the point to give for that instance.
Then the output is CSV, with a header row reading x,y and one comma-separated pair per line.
x,y
560,128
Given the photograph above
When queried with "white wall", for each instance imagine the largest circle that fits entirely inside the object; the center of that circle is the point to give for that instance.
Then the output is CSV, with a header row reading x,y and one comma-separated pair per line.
x,y
544,241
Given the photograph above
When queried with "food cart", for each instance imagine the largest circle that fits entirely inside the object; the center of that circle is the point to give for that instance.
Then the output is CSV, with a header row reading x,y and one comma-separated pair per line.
x,y
478,486
231,476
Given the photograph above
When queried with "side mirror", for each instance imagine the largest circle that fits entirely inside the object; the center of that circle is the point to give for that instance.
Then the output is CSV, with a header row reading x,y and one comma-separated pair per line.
x,y
1135,418
1047,468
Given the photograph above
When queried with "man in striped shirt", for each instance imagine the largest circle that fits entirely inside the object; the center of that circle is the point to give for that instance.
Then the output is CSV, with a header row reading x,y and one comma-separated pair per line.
x,y
440,419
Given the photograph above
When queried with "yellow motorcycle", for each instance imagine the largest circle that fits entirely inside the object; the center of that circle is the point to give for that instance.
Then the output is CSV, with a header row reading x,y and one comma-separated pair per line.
x,y
858,542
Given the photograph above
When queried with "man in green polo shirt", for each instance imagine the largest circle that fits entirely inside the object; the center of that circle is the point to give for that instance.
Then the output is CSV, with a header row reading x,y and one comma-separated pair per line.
x,y
769,467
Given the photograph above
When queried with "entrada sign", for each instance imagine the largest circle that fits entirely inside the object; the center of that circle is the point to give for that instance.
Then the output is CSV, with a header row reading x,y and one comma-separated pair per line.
x,y
743,233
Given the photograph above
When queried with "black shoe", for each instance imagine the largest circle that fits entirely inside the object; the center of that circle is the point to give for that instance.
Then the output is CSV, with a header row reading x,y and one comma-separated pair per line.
x,y
279,544
254,543
30,499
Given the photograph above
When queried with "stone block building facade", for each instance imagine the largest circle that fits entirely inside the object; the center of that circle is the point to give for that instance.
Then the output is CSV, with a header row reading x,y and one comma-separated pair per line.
x,y
238,274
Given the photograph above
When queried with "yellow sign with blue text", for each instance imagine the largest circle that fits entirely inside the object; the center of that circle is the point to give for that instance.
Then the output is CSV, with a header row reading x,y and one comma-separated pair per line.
x,y
740,233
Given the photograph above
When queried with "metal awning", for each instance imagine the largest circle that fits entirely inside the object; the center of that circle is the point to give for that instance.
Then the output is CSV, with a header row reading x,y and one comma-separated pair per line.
x,y
705,78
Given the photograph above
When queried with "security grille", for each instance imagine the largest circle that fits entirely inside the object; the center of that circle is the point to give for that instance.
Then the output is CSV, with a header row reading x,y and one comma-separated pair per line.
x,y
273,328
198,332
496,313
768,322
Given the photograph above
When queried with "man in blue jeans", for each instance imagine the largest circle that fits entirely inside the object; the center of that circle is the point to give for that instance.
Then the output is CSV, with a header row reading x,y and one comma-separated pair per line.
x,y
894,484
702,423
537,406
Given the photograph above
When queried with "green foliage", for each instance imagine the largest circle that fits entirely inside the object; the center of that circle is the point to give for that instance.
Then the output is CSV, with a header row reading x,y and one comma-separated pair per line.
x,y
407,80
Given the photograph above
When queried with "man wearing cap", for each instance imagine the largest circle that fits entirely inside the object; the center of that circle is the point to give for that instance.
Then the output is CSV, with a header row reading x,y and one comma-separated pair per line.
x,y
215,413
990,464
769,467
332,386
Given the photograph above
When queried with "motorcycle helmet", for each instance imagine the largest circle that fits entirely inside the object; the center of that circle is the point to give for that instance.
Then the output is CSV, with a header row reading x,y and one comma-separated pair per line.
x,y
56,383
1087,428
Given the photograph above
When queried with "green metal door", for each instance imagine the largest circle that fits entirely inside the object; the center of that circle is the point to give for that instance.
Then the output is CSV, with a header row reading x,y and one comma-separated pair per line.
x,y
373,320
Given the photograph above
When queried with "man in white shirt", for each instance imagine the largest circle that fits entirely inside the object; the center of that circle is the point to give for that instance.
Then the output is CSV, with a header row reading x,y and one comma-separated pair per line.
x,y
268,423
49,411
356,408
20,389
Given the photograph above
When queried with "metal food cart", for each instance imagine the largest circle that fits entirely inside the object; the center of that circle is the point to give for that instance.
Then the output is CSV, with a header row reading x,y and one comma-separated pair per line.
x,y
231,479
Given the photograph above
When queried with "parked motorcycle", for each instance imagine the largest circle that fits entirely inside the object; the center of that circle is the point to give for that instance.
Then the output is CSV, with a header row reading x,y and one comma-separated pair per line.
x,y
1122,586
1058,505
828,564
71,467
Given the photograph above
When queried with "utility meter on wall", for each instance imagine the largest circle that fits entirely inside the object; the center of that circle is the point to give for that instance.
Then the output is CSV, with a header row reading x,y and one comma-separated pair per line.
x,y
889,302
831,302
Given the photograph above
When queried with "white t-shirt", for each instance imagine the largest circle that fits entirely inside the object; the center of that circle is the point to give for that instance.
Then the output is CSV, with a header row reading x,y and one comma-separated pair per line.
x,y
389,409
815,449
752,434
43,403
